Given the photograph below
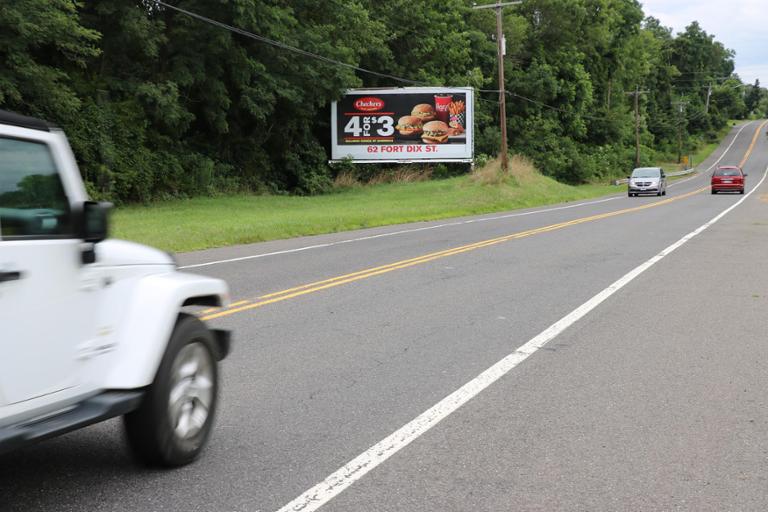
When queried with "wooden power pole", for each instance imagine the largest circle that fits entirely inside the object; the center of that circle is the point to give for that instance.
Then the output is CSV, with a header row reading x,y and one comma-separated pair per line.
x,y
681,106
636,93
502,92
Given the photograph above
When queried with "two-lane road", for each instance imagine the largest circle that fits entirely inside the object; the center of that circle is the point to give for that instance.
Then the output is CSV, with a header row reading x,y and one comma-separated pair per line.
x,y
603,355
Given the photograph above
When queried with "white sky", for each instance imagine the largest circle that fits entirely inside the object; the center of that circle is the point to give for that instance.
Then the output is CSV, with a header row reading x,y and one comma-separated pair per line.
x,y
741,25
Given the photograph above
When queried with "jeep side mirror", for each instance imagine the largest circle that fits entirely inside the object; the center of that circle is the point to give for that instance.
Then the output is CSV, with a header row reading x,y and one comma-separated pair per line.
x,y
94,226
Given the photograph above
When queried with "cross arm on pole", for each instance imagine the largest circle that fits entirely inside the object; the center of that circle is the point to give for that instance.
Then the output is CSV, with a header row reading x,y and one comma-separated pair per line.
x,y
497,5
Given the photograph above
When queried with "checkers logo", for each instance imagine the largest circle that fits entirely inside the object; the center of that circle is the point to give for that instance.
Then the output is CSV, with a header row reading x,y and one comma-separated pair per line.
x,y
369,104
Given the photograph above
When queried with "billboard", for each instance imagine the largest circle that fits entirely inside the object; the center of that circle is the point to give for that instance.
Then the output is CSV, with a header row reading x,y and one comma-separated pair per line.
x,y
403,125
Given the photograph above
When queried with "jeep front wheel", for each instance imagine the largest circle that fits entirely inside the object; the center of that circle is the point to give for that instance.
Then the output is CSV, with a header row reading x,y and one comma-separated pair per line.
x,y
173,423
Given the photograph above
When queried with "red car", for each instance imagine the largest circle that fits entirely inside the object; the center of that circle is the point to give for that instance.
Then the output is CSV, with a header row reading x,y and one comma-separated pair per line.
x,y
728,178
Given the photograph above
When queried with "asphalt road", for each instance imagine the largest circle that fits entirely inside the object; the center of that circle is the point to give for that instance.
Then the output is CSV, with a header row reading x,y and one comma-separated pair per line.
x,y
648,392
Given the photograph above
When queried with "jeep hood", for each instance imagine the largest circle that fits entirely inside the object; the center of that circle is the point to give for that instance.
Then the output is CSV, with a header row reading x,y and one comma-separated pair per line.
x,y
115,253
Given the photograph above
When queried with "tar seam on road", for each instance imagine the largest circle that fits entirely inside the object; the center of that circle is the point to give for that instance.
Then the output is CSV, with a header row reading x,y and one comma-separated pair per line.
x,y
446,224
358,467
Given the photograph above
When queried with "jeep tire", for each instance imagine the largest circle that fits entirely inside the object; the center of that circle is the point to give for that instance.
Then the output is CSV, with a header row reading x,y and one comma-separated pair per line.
x,y
173,422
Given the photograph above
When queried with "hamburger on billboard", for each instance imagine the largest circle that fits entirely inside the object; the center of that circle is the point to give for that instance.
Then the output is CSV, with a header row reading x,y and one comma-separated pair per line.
x,y
403,124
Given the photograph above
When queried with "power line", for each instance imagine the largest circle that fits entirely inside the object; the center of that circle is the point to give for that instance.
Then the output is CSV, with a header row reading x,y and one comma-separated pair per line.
x,y
285,46
329,60
288,47
694,80
550,107
694,72
544,105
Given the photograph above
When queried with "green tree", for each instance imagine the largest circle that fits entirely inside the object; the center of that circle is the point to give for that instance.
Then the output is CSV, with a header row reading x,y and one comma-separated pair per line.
x,y
42,44
753,96
159,104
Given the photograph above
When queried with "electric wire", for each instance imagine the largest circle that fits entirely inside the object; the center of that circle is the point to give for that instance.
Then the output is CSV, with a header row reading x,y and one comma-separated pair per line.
x,y
330,60
285,46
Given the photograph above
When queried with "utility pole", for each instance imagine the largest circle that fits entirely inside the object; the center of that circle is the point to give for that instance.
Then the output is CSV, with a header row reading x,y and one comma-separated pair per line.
x,y
637,92
709,94
681,105
502,92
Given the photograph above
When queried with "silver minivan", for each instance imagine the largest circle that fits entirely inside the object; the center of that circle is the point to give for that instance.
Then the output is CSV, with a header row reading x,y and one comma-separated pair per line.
x,y
647,180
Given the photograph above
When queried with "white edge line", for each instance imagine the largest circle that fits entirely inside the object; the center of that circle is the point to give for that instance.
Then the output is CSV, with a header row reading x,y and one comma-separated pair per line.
x,y
701,173
729,146
358,467
392,233
448,224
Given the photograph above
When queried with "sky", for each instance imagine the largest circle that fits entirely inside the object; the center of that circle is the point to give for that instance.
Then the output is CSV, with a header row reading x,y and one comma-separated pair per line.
x,y
741,25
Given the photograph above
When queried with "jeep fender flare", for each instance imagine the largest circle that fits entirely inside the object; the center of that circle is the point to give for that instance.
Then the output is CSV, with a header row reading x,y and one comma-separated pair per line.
x,y
148,322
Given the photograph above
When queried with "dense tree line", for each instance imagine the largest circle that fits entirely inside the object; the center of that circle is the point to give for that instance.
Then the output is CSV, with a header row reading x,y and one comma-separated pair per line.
x,y
159,104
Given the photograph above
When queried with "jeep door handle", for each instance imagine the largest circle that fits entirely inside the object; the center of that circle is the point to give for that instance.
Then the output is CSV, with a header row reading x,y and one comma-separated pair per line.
x,y
10,276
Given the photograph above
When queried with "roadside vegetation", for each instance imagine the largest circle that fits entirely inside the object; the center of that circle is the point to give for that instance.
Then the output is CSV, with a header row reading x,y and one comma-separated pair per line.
x,y
406,196
700,151
159,105
403,194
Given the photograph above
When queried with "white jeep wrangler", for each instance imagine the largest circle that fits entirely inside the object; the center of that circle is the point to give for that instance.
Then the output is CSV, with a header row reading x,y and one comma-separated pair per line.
x,y
91,329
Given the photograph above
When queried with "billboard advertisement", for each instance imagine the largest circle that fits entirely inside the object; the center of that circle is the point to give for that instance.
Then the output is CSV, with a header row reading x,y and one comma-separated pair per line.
x,y
403,125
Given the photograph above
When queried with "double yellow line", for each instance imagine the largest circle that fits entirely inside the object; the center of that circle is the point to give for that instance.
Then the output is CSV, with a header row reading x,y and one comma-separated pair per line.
x,y
752,145
305,289
317,286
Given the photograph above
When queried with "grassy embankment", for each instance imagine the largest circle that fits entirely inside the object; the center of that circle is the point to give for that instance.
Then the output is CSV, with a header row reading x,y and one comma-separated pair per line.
x,y
201,223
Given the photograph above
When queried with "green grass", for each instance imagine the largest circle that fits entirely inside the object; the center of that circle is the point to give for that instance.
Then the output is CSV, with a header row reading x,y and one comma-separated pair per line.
x,y
201,223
